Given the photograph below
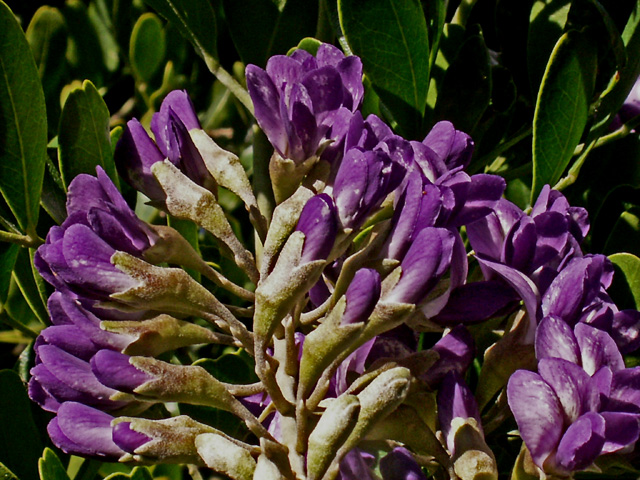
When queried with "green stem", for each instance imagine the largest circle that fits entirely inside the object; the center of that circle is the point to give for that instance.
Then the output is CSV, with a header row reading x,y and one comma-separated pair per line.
x,y
228,81
499,150
574,171
24,240
7,320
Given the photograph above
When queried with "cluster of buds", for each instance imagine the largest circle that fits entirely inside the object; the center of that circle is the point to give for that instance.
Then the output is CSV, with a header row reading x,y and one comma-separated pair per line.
x,y
359,263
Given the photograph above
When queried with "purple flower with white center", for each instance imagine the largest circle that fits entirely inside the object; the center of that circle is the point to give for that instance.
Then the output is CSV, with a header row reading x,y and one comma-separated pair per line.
x,y
318,221
585,399
136,152
82,430
299,98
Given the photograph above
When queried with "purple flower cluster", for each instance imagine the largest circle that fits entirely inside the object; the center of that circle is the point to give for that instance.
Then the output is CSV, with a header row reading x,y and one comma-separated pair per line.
x,y
361,255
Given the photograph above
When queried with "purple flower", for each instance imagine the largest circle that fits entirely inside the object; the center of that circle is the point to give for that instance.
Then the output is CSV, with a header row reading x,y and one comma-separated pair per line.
x,y
363,181
585,399
399,464
136,152
82,430
114,370
298,99
630,108
318,221
77,255
455,353
128,439
428,258
453,147
455,400
362,295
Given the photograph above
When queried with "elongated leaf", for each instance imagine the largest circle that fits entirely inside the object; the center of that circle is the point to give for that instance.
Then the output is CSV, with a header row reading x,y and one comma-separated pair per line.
x,y
147,46
391,38
20,444
50,467
28,280
195,19
84,139
547,21
562,107
22,122
260,29
8,255
626,281
47,35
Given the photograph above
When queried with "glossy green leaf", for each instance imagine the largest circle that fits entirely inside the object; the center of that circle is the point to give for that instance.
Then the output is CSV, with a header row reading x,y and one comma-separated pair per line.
x,y
466,87
6,474
22,123
18,452
195,19
547,21
562,107
625,235
625,288
100,18
391,38
147,47
50,467
84,138
260,28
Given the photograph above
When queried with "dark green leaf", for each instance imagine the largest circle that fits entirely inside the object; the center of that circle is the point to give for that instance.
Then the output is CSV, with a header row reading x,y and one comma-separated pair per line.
x,y
147,46
20,444
391,38
47,35
103,28
30,283
562,107
189,231
8,255
195,19
547,21
260,29
53,197
84,138
622,82
466,88
625,288
84,54
625,236
22,123
51,467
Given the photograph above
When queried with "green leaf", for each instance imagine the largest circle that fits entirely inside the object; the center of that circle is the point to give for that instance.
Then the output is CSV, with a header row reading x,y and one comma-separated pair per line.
x,y
195,19
101,21
625,235
51,467
138,473
47,35
391,38
6,474
625,288
8,256
546,24
622,82
466,88
22,122
84,138
147,47
27,279
20,444
261,29
562,107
